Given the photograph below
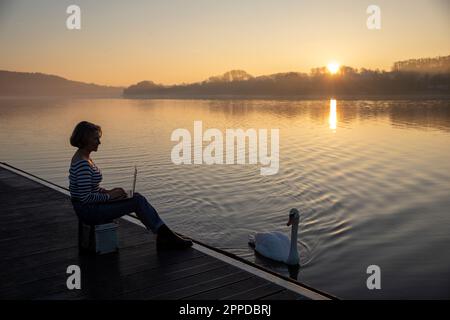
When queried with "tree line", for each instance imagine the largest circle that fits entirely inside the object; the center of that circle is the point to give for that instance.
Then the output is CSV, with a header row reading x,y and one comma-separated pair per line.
x,y
415,76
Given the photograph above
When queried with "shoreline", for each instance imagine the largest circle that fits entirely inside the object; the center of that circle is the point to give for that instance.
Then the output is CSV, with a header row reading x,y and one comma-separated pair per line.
x,y
293,98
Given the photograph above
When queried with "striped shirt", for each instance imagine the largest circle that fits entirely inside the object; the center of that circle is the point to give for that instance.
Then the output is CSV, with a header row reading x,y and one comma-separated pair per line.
x,y
84,182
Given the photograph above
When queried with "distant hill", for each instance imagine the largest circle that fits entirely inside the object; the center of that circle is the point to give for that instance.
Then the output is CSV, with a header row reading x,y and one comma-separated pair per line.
x,y
426,77
39,84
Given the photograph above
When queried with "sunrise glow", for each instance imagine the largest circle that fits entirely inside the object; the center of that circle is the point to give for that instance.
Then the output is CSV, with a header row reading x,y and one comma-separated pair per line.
x,y
333,67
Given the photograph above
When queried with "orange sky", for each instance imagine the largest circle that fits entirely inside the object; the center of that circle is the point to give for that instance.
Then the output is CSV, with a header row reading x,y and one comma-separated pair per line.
x,y
175,41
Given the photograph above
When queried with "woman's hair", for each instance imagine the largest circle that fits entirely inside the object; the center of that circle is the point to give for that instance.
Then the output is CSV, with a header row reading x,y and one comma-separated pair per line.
x,y
82,132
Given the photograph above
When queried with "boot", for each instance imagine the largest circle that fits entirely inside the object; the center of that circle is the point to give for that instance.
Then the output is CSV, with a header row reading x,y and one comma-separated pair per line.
x,y
167,239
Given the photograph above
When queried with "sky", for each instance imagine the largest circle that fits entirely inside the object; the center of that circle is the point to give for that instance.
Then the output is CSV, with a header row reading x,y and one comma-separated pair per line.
x,y
181,41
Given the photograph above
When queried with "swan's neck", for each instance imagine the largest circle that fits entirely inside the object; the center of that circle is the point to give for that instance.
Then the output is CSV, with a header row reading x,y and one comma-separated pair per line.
x,y
293,253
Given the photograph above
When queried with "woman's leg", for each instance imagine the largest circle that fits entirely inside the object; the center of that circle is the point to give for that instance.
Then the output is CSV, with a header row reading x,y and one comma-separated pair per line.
x,y
147,214
166,238
105,212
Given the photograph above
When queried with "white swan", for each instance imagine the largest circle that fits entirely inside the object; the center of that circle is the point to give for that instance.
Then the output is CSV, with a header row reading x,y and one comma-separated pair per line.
x,y
276,245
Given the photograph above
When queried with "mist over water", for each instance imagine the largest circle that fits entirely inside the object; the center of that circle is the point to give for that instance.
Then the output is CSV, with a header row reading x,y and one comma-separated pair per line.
x,y
371,179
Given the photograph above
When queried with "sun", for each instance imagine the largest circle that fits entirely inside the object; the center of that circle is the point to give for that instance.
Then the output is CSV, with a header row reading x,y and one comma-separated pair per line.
x,y
333,67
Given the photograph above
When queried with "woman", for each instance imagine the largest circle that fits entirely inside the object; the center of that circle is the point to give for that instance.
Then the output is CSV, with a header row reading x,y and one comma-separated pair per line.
x,y
95,205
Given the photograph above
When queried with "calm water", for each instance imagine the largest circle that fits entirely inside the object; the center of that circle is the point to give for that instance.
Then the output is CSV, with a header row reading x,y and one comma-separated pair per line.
x,y
371,179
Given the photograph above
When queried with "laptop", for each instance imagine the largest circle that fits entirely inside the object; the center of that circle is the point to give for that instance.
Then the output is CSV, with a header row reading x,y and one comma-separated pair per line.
x,y
129,193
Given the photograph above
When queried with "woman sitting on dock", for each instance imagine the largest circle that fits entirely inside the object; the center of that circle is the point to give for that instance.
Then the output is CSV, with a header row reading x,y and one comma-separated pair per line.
x,y
95,205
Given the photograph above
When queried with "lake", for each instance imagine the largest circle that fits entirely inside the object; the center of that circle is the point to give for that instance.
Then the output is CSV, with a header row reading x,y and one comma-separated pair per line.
x,y
371,179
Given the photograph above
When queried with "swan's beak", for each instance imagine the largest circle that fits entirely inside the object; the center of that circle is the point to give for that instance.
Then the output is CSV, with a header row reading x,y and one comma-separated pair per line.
x,y
291,221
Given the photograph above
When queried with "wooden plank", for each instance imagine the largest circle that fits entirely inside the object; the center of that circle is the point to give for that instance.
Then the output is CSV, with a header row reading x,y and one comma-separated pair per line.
x,y
178,288
255,292
285,295
104,278
42,269
228,289
98,285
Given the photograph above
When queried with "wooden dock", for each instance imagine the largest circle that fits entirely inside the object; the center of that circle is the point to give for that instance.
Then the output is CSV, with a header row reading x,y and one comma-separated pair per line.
x,y
38,241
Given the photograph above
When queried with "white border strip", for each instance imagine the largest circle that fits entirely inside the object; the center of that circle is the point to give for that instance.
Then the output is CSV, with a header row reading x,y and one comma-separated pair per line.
x,y
243,266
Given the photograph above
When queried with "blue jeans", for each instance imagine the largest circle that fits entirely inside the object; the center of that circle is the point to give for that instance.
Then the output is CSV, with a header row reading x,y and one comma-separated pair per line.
x,y
100,213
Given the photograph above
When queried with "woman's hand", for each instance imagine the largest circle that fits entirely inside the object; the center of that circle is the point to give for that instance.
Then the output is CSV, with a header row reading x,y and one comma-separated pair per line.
x,y
116,193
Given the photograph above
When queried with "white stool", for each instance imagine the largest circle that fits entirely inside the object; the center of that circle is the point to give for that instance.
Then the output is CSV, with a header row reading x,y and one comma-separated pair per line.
x,y
98,239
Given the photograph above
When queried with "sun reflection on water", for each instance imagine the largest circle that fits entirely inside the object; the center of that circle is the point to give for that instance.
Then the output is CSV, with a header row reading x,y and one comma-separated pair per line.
x,y
333,115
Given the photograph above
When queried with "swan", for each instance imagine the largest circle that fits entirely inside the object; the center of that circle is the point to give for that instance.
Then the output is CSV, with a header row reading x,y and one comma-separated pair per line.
x,y
276,245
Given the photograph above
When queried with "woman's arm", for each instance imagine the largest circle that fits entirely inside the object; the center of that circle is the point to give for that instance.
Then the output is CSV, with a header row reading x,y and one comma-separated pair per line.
x,y
85,186
115,193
